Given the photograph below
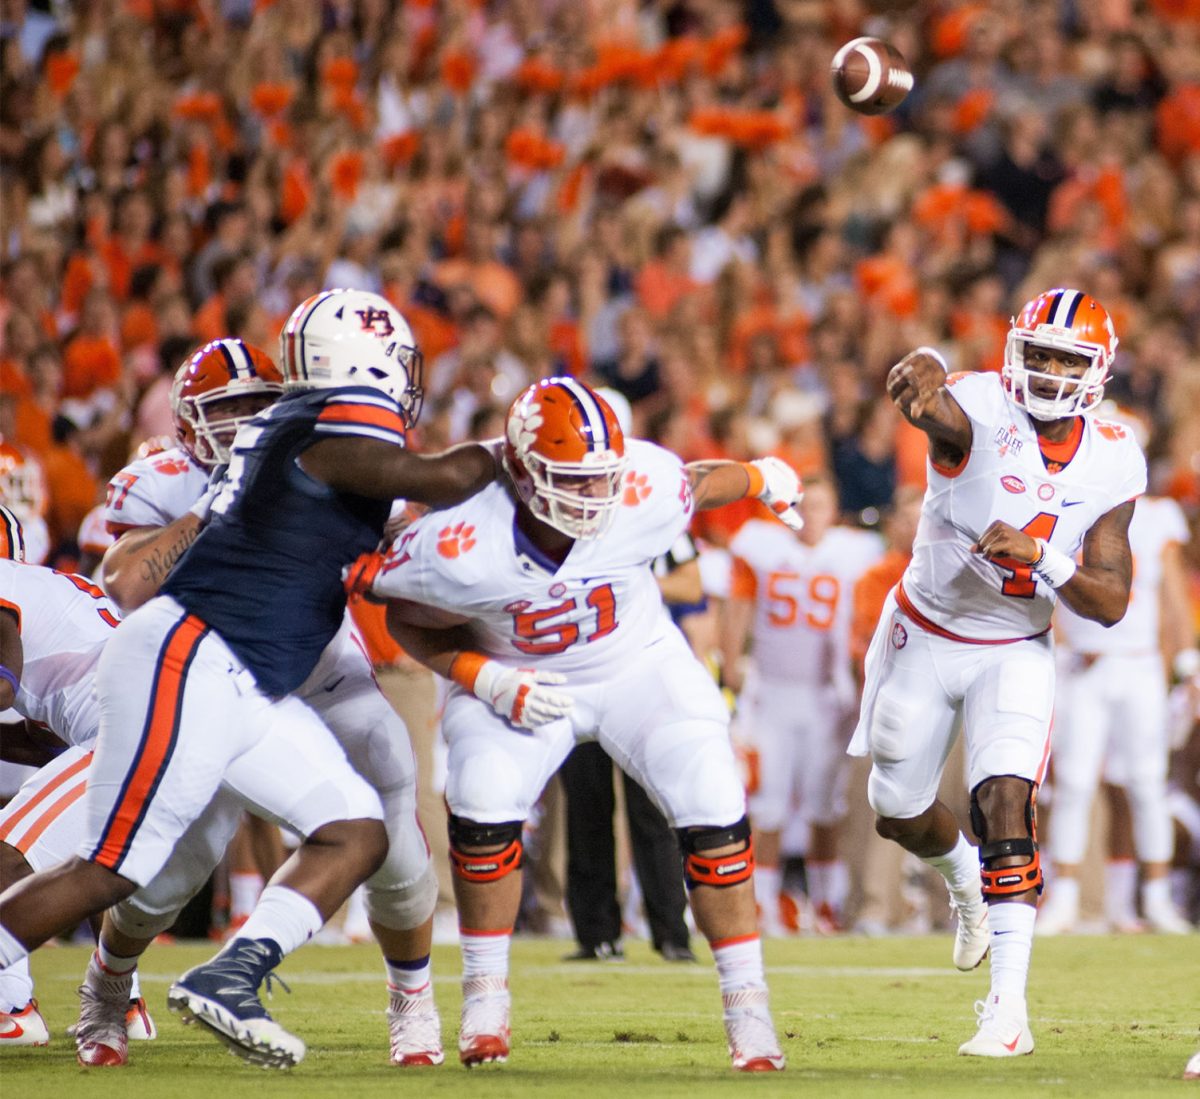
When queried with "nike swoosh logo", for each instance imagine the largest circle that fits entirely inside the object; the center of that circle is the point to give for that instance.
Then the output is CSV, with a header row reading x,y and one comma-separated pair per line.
x,y
334,685
1011,1046
15,1030
1071,503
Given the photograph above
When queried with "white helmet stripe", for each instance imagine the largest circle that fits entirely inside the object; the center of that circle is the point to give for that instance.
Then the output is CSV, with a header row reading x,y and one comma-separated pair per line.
x,y
1063,312
592,414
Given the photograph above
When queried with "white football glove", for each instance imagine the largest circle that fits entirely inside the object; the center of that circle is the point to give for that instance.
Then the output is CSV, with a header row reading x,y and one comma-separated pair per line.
x,y
523,696
781,490
203,507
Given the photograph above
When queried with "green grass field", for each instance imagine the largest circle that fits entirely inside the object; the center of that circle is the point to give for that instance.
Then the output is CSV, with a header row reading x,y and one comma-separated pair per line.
x,y
1111,1016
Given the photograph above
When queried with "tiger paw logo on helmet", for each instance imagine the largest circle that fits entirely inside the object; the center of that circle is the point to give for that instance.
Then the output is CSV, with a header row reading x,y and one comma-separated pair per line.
x,y
637,488
456,540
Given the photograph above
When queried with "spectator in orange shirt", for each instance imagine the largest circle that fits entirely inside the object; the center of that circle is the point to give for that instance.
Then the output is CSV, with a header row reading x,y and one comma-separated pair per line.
x,y
665,279
91,361
72,489
236,280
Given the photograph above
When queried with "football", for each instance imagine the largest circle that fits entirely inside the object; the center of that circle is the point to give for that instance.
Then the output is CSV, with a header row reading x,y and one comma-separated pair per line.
x,y
870,76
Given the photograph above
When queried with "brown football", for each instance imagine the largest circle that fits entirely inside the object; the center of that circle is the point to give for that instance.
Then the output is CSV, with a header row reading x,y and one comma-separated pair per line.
x,y
870,76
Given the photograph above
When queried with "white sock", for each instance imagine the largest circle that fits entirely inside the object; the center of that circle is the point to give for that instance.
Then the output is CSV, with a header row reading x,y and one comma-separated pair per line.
x,y
409,979
114,964
135,989
768,882
1120,890
1155,892
286,917
244,891
16,986
960,867
827,883
484,954
739,963
1011,945
1064,891
11,949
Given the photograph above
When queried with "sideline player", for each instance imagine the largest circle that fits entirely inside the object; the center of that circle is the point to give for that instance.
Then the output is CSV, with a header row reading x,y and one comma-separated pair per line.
x,y
1112,702
791,597
1020,476
557,626
195,688
53,627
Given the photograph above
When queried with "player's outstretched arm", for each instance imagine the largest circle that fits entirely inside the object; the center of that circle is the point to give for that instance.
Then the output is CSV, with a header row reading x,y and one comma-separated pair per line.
x,y
1097,589
136,564
917,386
774,482
384,471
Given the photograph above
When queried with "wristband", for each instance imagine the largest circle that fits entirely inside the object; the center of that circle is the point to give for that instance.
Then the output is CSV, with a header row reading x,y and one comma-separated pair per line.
x,y
1052,565
11,676
465,669
1186,663
757,481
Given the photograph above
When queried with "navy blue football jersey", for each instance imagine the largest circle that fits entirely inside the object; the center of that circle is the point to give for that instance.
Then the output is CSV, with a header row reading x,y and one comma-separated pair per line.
x,y
266,572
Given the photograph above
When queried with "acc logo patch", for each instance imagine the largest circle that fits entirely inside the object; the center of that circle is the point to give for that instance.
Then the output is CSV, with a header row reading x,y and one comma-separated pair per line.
x,y
517,607
1012,484
899,635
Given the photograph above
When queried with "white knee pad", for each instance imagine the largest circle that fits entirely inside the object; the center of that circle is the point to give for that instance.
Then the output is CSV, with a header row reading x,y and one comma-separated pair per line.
x,y
890,719
890,800
136,922
404,907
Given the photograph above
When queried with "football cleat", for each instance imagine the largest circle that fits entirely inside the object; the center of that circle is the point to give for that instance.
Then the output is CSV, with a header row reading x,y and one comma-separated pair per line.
x,y
222,996
1192,1071
24,1028
415,1030
101,1039
483,1036
139,1027
1000,1034
753,1045
1162,916
972,936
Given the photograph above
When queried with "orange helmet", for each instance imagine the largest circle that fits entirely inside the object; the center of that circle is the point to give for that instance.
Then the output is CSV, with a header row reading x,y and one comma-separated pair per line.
x,y
1063,320
219,371
565,453
22,486
12,536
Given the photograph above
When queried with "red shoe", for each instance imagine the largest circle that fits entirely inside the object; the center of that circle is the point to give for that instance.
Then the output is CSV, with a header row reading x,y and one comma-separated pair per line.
x,y
483,1036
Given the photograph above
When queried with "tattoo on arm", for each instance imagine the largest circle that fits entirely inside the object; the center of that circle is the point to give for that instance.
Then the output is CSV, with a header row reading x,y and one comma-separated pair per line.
x,y
156,565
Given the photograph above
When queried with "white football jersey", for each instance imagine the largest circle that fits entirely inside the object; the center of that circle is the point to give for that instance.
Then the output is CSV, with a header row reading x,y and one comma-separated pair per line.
x,y
1157,522
65,621
1004,477
803,597
596,610
153,491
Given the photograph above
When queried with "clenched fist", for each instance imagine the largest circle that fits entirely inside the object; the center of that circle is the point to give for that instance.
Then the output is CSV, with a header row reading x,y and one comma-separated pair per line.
x,y
915,379
1003,541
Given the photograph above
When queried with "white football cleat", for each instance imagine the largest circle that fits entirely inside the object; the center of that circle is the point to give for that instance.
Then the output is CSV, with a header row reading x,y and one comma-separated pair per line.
x,y
1162,916
972,936
24,1028
753,1045
1192,1072
1000,1034
415,1030
1057,914
139,1027
484,1033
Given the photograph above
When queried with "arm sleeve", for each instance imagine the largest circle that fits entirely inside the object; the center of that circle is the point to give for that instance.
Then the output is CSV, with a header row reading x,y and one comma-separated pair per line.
x,y
364,414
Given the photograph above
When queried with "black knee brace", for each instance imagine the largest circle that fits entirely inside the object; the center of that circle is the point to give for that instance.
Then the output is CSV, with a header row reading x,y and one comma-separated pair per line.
x,y
1006,881
718,870
484,867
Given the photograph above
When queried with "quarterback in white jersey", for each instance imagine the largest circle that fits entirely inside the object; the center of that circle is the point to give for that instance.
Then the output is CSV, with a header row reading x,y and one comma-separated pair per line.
x,y
1021,476
53,627
549,619
1111,717
791,598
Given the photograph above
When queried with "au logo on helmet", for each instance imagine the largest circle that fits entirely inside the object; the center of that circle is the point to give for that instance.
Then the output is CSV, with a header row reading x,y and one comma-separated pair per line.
x,y
375,320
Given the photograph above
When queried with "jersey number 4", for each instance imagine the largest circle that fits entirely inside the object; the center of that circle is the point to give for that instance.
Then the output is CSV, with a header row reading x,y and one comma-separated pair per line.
x,y
538,636
1022,585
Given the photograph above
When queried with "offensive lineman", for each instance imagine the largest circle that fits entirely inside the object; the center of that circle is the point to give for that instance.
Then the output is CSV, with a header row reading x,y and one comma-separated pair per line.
x,y
1020,477
551,569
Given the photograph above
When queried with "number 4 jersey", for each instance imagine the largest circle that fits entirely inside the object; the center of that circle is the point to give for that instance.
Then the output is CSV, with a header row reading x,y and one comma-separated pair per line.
x,y
1050,491
597,610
